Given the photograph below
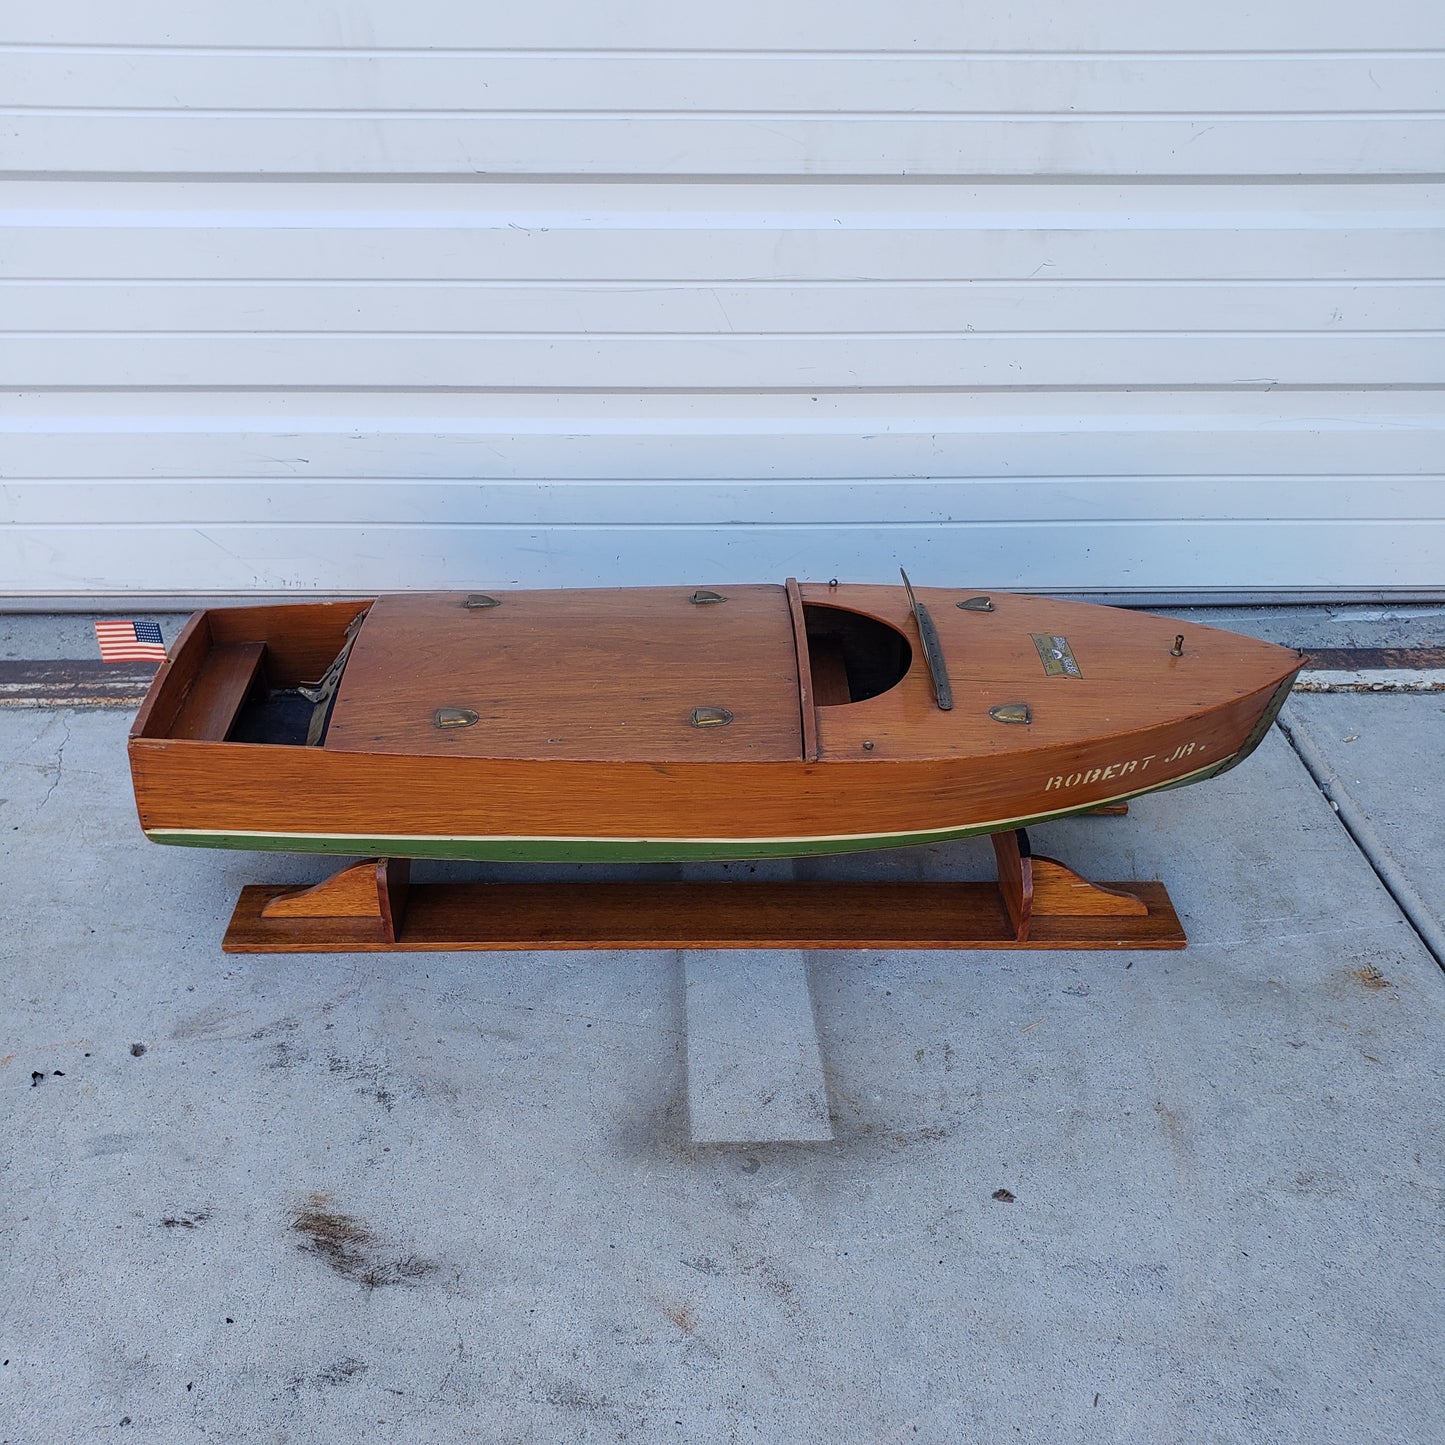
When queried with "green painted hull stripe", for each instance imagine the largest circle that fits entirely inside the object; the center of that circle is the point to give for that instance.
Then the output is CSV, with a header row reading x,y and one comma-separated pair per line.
x,y
626,850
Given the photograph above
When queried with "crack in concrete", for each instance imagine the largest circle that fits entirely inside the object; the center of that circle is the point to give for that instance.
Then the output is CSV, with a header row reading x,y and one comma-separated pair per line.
x,y
1361,830
59,761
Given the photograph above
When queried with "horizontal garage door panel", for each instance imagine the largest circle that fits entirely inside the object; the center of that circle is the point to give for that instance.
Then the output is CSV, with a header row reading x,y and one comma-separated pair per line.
x,y
658,436
1123,296
747,25
364,559
130,83
851,238
580,362
766,144
876,501
500,310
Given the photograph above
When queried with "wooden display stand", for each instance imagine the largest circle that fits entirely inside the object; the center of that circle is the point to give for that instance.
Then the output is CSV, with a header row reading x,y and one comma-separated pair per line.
x,y
1035,903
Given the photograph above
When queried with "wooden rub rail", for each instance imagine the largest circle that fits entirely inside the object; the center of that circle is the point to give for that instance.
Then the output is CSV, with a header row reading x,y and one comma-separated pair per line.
x,y
1037,903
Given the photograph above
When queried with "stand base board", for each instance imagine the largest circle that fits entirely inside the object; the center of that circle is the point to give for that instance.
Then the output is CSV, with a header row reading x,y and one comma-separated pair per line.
x,y
444,917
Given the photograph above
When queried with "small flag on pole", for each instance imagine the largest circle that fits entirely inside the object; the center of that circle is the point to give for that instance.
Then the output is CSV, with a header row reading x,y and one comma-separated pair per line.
x,y
130,642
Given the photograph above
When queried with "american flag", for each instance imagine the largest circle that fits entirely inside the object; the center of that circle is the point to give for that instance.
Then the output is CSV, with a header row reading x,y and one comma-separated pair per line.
x,y
130,642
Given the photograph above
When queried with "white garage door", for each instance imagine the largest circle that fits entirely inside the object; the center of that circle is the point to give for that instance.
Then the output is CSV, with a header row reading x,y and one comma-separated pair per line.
x,y
1068,294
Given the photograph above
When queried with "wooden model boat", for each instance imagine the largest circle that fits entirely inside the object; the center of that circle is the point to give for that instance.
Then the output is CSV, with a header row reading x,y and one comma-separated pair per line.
x,y
666,724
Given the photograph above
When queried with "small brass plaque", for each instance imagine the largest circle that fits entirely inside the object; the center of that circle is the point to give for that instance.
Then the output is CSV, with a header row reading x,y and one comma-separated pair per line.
x,y
1056,655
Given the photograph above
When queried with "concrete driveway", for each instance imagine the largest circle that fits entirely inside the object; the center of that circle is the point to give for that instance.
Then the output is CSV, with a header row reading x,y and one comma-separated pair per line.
x,y
1067,1197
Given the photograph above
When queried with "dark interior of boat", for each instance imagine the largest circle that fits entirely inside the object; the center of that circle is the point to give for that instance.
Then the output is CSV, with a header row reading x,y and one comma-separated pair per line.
x,y
295,715
263,674
273,715
852,657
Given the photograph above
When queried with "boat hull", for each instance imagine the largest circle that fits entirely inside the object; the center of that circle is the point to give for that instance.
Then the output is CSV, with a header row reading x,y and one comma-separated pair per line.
x,y
484,849
889,771
559,848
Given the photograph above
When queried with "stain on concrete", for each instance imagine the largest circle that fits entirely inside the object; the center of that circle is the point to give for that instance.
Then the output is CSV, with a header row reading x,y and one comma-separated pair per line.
x,y
191,1219
661,1132
1319,1182
284,1055
858,1132
1178,1132
684,1316
371,1079
209,1022
136,1050
102,1145
287,1024
8,1059
767,1274
1367,975
924,1134
572,1396
352,1249
342,1372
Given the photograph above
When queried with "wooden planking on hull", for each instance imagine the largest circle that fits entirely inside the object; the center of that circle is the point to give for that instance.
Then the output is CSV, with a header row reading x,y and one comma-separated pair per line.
x,y
241,788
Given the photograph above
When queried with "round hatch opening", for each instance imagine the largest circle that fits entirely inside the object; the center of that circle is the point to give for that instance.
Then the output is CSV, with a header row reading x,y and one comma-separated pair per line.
x,y
852,657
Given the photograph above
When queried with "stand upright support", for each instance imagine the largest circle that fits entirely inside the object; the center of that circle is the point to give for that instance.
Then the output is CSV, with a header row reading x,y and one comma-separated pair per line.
x,y
1036,903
